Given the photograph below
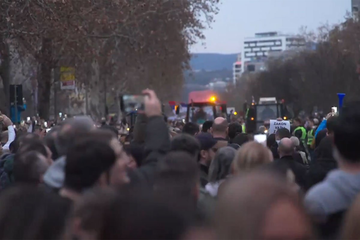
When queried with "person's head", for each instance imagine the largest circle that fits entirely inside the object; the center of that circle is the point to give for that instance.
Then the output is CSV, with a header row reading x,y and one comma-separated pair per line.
x,y
177,183
241,139
262,129
37,146
221,165
69,130
96,158
295,141
319,137
38,214
286,147
270,140
136,154
220,127
30,167
316,122
250,156
50,141
297,122
260,205
310,123
330,125
186,143
207,144
106,215
179,170
206,127
282,133
191,128
234,129
346,135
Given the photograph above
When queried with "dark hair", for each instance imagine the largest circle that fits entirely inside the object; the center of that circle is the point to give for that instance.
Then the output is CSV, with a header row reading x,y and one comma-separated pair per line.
x,y
175,181
23,139
234,129
85,162
38,214
297,119
347,132
283,133
50,141
136,151
179,168
130,217
331,124
29,167
319,137
34,145
186,143
191,128
206,126
241,138
271,140
111,129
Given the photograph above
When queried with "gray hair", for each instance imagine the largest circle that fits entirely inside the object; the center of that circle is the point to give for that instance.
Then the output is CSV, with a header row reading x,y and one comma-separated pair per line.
x,y
71,129
221,164
295,141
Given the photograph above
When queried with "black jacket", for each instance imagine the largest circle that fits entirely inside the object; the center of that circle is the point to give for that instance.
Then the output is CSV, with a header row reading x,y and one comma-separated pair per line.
x,y
318,171
322,164
274,150
157,145
298,169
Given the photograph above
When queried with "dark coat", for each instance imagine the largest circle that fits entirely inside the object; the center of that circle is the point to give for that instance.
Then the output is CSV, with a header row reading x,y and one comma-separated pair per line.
x,y
298,169
157,145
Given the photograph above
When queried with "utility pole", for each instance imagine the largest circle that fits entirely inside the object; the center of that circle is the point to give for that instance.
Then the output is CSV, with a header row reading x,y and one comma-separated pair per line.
x,y
56,82
105,103
15,104
86,101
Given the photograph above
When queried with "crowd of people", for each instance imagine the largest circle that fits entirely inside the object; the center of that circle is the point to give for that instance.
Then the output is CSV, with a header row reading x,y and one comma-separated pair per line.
x,y
79,181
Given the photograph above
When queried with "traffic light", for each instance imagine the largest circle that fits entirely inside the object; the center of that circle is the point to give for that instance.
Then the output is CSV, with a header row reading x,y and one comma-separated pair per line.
x,y
16,90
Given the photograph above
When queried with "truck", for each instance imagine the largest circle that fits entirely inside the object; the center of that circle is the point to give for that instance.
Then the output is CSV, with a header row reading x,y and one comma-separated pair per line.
x,y
202,106
260,114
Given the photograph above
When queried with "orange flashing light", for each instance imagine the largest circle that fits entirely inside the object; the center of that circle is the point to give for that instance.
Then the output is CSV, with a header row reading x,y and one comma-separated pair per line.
x,y
252,119
213,99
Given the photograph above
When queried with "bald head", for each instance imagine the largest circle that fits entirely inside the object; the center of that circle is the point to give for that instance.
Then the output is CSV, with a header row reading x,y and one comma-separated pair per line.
x,y
286,147
219,127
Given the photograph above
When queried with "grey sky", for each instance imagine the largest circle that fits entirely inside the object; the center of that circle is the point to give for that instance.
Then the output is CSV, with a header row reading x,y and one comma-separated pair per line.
x,y
242,18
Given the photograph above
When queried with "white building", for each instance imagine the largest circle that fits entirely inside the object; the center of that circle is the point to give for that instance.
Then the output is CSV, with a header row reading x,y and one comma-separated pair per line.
x,y
237,69
256,49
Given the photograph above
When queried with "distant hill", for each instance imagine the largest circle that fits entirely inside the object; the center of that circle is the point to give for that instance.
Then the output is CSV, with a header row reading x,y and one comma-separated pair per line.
x,y
212,61
204,77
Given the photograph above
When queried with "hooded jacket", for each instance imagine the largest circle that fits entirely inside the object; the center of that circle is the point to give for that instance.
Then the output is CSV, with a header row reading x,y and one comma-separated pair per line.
x,y
335,194
54,177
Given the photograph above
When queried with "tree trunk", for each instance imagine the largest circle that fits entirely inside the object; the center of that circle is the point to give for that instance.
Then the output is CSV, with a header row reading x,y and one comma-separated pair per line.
x,y
5,74
45,79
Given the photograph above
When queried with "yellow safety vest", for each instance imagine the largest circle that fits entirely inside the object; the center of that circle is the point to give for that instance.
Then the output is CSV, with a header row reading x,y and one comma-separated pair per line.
x,y
303,134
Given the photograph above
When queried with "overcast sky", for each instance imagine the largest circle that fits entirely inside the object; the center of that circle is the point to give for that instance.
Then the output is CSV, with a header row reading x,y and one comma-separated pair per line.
x,y
243,18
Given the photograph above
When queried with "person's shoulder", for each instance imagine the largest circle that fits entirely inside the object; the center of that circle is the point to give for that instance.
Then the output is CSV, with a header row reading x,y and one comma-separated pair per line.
x,y
320,191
